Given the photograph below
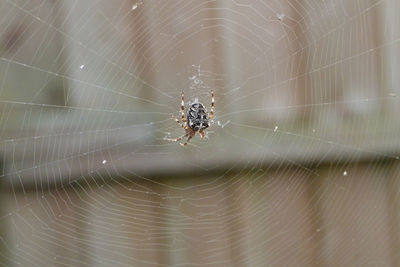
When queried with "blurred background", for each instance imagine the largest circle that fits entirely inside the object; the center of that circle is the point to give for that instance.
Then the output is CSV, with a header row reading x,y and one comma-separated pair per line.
x,y
300,166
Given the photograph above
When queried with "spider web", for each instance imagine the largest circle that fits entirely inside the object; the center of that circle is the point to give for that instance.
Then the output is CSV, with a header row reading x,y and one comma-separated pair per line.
x,y
298,167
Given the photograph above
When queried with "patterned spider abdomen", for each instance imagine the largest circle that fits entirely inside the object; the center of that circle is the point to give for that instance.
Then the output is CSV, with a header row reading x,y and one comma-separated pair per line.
x,y
197,117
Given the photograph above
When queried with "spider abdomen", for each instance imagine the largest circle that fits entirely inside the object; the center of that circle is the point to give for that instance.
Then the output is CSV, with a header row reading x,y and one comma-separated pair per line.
x,y
197,117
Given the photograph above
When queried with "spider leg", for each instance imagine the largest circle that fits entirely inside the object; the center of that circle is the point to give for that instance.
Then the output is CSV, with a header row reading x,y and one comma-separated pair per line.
x,y
212,105
182,125
183,107
202,134
177,139
187,141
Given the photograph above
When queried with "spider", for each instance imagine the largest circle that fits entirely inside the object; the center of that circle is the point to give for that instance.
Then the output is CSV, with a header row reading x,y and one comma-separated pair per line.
x,y
196,119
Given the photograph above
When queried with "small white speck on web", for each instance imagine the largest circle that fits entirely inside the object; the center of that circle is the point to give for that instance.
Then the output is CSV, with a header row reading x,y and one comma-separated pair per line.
x,y
275,129
392,94
280,16
345,173
81,67
104,161
222,125
134,6
313,130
